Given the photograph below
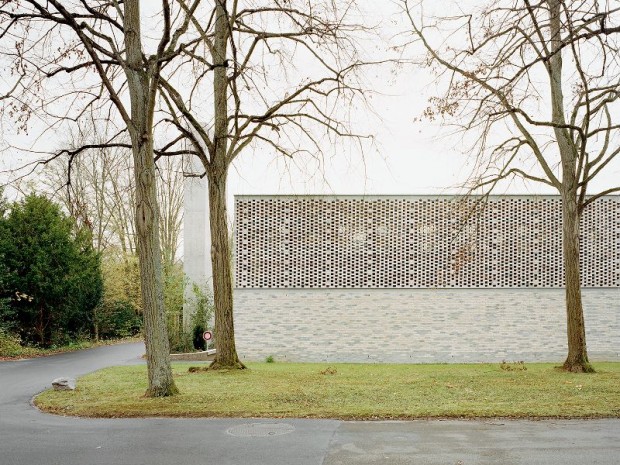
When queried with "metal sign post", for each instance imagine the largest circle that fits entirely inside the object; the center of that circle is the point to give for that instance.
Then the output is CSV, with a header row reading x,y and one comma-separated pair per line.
x,y
207,336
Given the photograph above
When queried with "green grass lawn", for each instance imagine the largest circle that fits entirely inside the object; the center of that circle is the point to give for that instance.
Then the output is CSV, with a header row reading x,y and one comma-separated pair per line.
x,y
349,391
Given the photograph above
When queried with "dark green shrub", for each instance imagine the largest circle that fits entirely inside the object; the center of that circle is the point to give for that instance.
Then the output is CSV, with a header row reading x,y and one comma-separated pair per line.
x,y
52,273
8,316
198,340
182,341
117,319
200,320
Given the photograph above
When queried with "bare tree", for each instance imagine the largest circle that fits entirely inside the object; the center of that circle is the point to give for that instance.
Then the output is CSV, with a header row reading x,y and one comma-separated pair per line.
x,y
88,57
100,198
101,194
170,191
538,84
283,75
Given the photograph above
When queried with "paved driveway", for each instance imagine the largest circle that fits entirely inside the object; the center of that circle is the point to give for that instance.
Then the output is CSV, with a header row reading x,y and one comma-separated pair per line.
x,y
30,437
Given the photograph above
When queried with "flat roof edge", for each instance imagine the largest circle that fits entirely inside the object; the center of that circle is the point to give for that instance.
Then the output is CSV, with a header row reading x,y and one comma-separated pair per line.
x,y
401,196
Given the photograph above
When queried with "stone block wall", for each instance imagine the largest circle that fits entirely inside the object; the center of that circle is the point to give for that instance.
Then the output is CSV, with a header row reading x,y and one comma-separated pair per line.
x,y
419,325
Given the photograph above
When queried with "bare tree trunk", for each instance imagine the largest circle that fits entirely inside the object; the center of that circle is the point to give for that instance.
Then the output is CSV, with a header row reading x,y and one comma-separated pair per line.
x,y
577,360
226,356
160,378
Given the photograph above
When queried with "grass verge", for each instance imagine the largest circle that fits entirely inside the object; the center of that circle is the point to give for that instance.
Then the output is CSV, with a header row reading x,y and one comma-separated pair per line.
x,y
19,352
349,391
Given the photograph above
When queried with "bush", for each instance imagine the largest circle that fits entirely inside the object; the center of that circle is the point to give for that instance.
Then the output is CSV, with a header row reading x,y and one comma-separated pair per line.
x,y
52,274
8,316
117,319
121,278
10,344
198,340
182,341
174,286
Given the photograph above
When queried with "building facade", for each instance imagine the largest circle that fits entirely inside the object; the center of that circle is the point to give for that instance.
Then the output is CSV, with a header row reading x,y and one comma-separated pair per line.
x,y
418,278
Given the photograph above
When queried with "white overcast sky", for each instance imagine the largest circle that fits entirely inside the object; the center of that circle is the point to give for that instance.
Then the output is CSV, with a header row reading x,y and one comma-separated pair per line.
x,y
404,157
407,157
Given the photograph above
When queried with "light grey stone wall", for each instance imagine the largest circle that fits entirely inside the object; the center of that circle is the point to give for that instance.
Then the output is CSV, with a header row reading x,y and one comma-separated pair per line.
x,y
419,325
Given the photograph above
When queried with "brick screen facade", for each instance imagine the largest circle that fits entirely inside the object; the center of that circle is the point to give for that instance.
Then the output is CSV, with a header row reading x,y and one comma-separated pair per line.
x,y
423,242
418,278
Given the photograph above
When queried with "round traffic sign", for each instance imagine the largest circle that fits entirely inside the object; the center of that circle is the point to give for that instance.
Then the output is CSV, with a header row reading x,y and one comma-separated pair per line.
x,y
207,335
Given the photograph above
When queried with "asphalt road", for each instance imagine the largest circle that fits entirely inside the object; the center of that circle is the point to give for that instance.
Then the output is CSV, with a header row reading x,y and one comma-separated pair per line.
x,y
30,437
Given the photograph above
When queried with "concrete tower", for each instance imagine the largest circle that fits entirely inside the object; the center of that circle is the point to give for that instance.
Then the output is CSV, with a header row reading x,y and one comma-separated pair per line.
x,y
196,238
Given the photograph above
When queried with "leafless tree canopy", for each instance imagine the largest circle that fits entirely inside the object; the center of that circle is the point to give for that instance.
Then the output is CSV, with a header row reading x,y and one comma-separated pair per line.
x,y
288,65
231,74
287,70
522,88
66,61
101,196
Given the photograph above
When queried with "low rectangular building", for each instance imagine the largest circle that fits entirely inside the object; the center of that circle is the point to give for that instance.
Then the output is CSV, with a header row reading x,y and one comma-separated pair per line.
x,y
419,278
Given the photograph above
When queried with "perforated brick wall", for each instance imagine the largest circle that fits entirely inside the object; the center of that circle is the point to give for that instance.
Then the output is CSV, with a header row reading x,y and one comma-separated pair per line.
x,y
418,242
